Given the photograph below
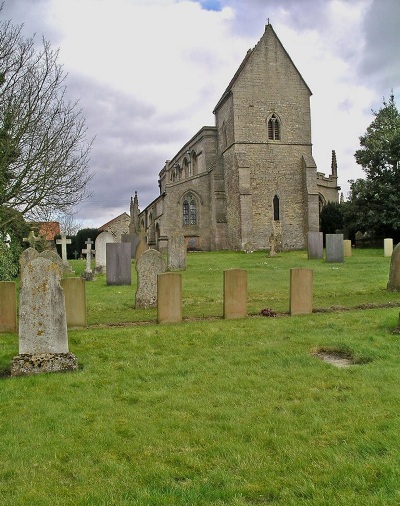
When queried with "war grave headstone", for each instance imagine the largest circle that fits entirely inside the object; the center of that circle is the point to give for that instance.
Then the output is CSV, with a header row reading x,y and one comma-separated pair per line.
x,y
388,247
101,242
88,272
315,245
169,297
149,265
334,248
75,301
347,251
176,253
8,306
301,291
235,293
394,271
43,338
119,265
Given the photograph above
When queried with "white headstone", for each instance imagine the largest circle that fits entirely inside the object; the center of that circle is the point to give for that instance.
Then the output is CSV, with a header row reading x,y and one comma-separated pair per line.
x,y
100,247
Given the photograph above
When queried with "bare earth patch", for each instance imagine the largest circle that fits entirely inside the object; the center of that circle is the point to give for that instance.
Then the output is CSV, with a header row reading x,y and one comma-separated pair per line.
x,y
336,358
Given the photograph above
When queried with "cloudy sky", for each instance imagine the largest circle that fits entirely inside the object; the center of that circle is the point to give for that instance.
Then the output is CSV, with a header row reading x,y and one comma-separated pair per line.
x,y
148,74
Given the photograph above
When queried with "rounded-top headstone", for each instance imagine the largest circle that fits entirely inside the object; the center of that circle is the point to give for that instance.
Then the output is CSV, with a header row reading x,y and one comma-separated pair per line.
x,y
394,272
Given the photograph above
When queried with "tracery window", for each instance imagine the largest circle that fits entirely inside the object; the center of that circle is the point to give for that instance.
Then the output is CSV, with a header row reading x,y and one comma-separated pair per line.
x,y
274,129
189,210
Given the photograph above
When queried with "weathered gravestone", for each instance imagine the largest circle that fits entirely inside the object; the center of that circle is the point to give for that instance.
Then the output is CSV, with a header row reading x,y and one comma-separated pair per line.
x,y
334,248
235,293
141,248
134,240
301,291
176,259
8,306
169,297
55,258
315,242
26,256
148,266
394,272
388,247
119,271
43,338
101,242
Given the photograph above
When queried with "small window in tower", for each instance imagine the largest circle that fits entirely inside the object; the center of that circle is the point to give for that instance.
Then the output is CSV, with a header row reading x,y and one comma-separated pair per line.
x,y
276,208
274,128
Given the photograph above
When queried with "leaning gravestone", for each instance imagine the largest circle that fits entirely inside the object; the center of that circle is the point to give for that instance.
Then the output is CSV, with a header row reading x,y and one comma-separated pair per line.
x,y
394,272
141,248
100,246
148,266
315,245
176,252
118,263
43,338
334,248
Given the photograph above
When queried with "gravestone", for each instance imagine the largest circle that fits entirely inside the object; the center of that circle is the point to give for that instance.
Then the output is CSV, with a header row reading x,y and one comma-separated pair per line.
x,y
75,301
315,242
334,248
149,265
301,291
55,258
235,293
134,240
43,338
119,270
347,251
101,242
141,248
169,297
394,272
32,239
388,247
64,241
8,306
176,255
26,256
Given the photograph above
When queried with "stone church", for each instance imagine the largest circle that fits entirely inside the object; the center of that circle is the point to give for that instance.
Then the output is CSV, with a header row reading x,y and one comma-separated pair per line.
x,y
252,176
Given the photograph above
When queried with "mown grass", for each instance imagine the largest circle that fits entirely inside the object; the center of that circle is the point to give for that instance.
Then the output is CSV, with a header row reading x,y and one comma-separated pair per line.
x,y
215,412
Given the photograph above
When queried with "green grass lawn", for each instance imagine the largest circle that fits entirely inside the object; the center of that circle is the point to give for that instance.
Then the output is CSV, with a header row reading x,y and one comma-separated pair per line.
x,y
216,412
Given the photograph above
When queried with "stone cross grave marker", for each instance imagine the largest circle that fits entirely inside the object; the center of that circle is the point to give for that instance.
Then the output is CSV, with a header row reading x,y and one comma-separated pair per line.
x,y
88,252
31,239
63,241
76,253
43,338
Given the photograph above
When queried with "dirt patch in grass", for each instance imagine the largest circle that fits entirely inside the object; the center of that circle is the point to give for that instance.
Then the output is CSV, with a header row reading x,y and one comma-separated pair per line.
x,y
338,358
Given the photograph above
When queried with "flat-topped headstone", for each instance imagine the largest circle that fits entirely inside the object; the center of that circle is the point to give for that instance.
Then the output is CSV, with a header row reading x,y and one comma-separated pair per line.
x,y
388,247
315,242
148,266
169,297
43,338
394,271
301,291
334,248
347,250
75,301
119,266
176,256
8,306
101,242
235,293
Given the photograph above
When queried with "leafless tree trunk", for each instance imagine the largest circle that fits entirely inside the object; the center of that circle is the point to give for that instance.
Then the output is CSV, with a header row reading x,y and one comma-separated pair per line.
x,y
44,153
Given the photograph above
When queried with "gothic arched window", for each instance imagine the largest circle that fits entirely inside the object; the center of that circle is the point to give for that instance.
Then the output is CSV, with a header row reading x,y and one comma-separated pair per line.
x,y
189,210
274,128
276,208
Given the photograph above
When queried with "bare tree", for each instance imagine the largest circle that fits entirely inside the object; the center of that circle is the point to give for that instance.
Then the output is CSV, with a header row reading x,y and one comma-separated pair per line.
x,y
44,153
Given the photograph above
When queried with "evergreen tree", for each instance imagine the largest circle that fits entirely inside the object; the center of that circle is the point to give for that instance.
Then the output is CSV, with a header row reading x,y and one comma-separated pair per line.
x,y
375,200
